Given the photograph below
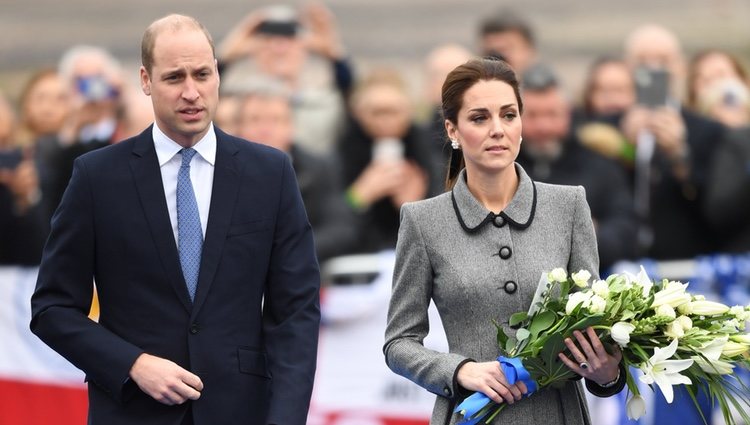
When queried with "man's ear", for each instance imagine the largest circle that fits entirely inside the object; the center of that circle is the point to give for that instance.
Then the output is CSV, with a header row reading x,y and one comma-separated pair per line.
x,y
145,81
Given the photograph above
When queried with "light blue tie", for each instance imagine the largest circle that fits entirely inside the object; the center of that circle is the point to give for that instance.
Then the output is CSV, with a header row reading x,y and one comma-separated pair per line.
x,y
189,231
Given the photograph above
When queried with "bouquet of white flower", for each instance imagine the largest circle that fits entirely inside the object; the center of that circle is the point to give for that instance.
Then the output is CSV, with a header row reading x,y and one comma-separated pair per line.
x,y
692,341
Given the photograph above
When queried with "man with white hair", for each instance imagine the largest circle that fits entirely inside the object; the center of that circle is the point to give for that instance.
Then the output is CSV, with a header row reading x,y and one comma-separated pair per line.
x,y
673,150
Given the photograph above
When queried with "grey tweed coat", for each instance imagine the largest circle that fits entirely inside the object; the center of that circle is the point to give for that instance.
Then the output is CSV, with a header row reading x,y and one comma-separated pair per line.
x,y
479,267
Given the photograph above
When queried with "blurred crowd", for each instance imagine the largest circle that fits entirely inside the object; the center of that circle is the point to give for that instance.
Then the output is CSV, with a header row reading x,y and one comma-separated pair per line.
x,y
660,141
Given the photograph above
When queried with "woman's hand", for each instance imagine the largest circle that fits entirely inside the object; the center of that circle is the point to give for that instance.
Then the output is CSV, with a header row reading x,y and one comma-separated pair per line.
x,y
590,359
489,379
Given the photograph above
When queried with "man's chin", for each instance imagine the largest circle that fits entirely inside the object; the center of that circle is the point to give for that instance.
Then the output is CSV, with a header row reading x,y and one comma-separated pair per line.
x,y
544,151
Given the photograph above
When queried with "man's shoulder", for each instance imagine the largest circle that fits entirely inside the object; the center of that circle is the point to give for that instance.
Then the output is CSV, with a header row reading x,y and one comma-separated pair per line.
x,y
257,151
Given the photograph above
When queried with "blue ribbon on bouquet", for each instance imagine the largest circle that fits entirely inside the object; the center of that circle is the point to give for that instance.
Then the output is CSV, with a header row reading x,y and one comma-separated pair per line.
x,y
514,371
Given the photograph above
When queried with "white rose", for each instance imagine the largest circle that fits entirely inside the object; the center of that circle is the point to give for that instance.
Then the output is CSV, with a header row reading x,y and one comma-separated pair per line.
x,y
601,288
576,298
685,322
557,275
597,304
621,333
666,310
674,330
581,278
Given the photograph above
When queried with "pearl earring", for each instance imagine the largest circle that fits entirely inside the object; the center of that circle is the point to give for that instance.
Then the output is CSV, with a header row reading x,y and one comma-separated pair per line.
x,y
520,139
454,144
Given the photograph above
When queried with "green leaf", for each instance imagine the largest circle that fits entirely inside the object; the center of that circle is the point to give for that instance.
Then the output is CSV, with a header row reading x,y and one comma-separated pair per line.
x,y
510,344
517,318
585,323
522,334
542,322
502,338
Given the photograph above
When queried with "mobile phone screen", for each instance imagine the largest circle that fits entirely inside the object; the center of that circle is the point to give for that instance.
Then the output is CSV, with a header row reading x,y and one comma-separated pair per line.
x,y
651,86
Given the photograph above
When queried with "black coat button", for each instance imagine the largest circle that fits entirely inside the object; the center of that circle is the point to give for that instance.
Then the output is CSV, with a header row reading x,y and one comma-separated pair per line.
x,y
505,252
499,221
510,287
194,329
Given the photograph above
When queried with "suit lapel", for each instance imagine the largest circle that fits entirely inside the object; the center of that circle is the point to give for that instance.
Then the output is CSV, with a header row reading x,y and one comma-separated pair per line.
x,y
223,199
147,175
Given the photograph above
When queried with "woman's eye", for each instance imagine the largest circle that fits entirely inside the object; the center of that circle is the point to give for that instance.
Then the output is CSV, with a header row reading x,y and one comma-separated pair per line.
x,y
478,118
510,116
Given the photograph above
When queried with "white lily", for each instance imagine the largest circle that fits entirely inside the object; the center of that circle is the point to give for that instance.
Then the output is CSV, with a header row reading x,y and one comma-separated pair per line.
x,y
664,372
557,275
644,282
636,407
621,333
581,278
714,367
707,308
741,338
673,294
732,349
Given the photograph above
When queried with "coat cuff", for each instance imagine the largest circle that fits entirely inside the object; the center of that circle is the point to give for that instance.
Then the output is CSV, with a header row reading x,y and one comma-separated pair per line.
x,y
458,390
600,391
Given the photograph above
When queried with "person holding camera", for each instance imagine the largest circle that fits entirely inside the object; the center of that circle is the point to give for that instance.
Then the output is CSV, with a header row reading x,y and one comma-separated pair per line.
x,y
22,224
385,160
94,80
302,50
719,87
674,147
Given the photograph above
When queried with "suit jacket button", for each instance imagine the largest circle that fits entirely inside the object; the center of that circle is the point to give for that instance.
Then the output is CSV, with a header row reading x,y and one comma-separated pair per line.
x,y
510,287
499,221
505,252
447,391
194,329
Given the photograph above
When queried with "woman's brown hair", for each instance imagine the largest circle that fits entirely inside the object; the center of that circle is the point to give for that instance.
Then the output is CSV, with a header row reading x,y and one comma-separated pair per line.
x,y
693,71
460,80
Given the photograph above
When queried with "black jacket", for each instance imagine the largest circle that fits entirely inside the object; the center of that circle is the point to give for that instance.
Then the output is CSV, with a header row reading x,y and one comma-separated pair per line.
x,y
606,192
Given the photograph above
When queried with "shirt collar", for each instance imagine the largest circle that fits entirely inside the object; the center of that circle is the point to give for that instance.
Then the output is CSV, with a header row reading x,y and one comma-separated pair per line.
x,y
473,215
167,148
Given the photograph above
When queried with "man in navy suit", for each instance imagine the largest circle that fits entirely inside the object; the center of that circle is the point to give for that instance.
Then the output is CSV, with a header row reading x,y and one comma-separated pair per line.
x,y
203,260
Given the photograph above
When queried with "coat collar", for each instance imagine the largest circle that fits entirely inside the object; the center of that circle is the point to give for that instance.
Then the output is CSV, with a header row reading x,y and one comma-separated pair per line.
x,y
473,215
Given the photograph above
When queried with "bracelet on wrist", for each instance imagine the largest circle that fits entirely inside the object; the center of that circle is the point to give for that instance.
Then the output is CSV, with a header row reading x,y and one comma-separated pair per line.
x,y
612,382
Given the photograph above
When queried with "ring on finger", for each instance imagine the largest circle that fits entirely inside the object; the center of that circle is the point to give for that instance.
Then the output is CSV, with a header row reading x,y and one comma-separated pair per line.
x,y
584,365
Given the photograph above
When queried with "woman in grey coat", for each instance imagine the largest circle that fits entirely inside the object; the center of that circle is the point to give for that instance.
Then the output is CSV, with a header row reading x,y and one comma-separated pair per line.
x,y
479,266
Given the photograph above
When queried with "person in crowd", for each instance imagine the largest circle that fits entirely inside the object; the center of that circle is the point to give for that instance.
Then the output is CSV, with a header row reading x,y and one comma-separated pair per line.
x,y
439,62
385,160
227,113
44,106
551,153
303,50
94,79
22,225
507,35
673,150
609,88
719,88
481,247
265,116
203,259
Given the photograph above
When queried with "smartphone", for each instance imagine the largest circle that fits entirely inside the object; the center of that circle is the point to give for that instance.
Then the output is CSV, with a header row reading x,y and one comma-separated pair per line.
x,y
651,86
95,88
279,28
388,149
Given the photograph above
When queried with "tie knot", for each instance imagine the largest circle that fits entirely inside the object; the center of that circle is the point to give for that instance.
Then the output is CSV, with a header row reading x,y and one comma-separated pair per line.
x,y
187,155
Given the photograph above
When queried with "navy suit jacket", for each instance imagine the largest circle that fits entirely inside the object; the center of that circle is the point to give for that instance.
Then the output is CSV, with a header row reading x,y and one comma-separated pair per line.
x,y
250,334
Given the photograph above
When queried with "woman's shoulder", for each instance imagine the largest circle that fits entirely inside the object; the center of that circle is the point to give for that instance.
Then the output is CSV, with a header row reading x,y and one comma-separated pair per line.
x,y
430,207
559,191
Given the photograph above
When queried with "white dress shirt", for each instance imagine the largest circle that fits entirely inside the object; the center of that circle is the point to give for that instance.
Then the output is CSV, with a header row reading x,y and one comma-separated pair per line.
x,y
201,173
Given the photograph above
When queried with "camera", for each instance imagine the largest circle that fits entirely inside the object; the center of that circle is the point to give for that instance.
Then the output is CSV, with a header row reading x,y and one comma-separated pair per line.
x,y
280,21
96,88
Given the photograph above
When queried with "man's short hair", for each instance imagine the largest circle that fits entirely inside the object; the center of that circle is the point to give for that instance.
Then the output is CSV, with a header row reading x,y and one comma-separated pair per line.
x,y
539,78
507,21
173,23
